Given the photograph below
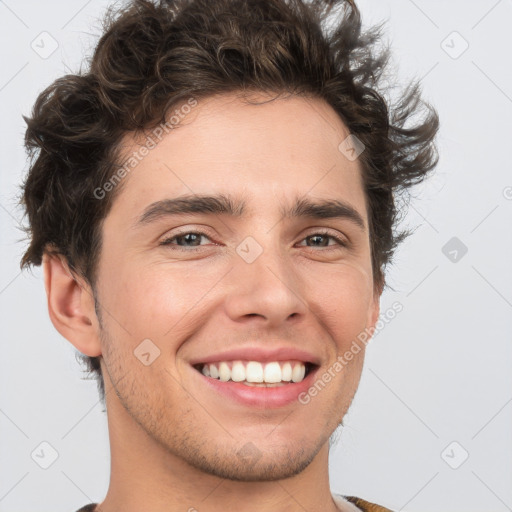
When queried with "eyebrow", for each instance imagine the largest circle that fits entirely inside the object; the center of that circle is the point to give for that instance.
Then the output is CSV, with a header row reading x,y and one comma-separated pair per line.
x,y
223,204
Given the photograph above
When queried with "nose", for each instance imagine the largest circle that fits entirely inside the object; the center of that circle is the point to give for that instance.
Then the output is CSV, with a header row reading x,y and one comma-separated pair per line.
x,y
268,288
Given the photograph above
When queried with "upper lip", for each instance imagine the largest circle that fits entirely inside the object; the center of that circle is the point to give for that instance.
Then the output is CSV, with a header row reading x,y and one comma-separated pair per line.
x,y
259,354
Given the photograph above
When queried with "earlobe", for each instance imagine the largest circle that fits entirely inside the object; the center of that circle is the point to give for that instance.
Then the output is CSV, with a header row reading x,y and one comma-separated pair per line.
x,y
71,306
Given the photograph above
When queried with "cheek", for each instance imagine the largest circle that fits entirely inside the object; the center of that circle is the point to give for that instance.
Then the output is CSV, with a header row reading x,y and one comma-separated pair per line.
x,y
341,297
156,301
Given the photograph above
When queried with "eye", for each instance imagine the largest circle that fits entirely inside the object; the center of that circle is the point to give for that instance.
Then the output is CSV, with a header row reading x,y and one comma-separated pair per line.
x,y
192,237
326,235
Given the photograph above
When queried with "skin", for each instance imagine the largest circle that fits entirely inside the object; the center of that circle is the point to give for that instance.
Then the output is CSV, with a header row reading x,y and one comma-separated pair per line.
x,y
173,443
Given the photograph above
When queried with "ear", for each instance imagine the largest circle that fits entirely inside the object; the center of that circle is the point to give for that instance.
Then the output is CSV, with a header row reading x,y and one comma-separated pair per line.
x,y
374,310
71,305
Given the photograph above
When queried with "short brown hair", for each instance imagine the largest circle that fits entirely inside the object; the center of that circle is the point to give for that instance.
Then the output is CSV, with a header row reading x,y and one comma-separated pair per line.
x,y
154,55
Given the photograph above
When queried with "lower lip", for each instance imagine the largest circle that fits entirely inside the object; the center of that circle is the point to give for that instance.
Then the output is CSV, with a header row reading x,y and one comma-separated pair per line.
x,y
262,397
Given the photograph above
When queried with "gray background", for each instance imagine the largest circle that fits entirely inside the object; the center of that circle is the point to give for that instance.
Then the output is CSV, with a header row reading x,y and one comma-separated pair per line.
x,y
436,387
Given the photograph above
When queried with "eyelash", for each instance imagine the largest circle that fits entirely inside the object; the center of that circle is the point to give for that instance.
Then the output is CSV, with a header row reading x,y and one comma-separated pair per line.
x,y
167,241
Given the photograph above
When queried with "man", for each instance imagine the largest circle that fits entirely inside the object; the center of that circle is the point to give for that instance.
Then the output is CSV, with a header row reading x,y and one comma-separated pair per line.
x,y
213,206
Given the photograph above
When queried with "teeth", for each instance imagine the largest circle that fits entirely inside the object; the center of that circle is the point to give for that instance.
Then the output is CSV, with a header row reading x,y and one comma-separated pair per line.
x,y
286,372
298,373
214,372
255,373
237,372
224,372
272,373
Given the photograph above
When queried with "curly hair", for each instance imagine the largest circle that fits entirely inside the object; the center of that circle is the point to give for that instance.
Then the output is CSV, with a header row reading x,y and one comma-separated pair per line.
x,y
154,55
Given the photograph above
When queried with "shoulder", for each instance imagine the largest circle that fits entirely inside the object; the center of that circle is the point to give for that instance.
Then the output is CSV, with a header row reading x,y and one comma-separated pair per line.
x,y
363,505
88,508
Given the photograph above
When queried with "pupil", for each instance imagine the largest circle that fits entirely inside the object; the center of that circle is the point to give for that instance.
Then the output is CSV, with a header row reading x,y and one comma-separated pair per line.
x,y
316,237
187,237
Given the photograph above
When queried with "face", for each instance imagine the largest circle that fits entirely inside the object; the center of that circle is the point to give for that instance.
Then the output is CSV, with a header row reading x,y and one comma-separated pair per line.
x,y
256,284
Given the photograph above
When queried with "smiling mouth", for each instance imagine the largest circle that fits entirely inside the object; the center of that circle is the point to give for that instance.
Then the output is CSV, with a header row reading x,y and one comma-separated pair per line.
x,y
255,373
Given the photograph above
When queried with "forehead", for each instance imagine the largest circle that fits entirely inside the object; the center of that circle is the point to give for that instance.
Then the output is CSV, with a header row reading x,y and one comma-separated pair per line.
x,y
267,151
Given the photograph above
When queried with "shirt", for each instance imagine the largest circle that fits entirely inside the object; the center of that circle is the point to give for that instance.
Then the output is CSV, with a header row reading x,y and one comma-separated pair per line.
x,y
364,506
